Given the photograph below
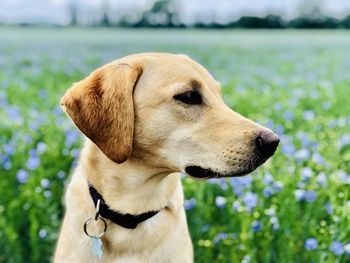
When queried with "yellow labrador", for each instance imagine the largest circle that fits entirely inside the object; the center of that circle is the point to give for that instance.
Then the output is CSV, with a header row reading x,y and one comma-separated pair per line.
x,y
148,117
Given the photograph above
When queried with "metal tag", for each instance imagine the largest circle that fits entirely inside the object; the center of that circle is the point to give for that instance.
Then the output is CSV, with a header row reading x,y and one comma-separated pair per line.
x,y
96,247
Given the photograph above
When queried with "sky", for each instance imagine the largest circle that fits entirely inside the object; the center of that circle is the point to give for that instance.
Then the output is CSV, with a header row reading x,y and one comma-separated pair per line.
x,y
57,11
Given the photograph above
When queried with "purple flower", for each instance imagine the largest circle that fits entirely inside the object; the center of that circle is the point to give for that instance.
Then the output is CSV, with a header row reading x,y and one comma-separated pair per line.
x,y
337,248
256,225
33,162
22,176
190,204
311,244
220,201
250,200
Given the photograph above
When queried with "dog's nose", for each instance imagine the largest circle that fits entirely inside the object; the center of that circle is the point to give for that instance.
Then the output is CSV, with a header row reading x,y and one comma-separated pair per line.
x,y
266,143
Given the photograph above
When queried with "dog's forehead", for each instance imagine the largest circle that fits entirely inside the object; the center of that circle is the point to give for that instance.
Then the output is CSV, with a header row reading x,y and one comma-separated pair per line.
x,y
180,69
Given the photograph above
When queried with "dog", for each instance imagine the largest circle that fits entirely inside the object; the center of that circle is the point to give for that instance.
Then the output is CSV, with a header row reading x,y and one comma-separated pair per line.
x,y
147,118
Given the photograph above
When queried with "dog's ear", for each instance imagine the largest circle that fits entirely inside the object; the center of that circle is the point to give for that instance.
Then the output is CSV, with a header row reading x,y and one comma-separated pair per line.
x,y
101,106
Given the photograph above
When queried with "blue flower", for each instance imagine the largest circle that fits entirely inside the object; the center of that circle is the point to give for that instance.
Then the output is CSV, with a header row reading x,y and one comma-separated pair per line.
x,y
45,183
246,259
347,249
42,233
302,154
14,115
43,94
9,149
22,176
236,205
337,248
250,200
6,163
299,194
71,137
322,179
288,115
219,237
275,223
33,162
309,115
239,184
306,174
268,179
41,147
220,201
47,194
27,139
311,244
267,191
288,149
277,186
61,174
328,208
310,196
190,204
317,158
256,225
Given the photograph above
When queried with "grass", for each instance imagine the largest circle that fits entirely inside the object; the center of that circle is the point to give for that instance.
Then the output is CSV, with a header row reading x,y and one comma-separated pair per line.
x,y
293,209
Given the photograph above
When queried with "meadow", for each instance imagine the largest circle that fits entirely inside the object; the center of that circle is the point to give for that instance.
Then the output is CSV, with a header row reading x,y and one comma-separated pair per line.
x,y
295,208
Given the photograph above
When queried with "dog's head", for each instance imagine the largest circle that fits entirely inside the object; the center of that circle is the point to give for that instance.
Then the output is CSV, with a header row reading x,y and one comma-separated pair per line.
x,y
167,111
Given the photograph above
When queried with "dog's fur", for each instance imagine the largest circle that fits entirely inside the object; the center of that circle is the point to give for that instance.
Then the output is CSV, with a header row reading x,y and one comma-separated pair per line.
x,y
138,140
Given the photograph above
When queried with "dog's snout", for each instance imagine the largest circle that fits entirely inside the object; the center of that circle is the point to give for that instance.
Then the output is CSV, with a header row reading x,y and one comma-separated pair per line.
x,y
266,143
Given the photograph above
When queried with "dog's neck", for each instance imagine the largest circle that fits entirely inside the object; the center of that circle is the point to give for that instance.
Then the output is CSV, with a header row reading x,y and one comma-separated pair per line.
x,y
131,187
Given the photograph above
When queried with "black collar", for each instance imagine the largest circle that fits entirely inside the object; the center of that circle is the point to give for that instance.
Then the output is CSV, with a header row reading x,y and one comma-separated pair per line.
x,y
124,220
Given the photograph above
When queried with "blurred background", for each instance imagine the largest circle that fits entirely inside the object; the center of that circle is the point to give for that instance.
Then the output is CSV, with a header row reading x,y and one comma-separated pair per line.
x,y
284,64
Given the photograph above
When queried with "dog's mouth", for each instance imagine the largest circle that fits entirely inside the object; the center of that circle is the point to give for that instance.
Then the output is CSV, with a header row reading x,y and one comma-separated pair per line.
x,y
199,172
206,173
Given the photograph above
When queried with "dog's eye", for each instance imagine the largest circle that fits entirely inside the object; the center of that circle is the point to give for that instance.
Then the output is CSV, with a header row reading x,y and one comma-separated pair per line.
x,y
191,97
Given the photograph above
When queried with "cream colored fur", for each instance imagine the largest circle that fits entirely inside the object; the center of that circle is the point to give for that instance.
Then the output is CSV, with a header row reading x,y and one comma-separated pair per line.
x,y
133,154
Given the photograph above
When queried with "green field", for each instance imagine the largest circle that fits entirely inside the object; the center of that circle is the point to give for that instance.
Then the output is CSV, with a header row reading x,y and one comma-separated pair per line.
x,y
295,208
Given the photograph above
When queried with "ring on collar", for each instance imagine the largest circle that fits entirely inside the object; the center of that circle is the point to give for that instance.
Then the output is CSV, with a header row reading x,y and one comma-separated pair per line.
x,y
96,218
